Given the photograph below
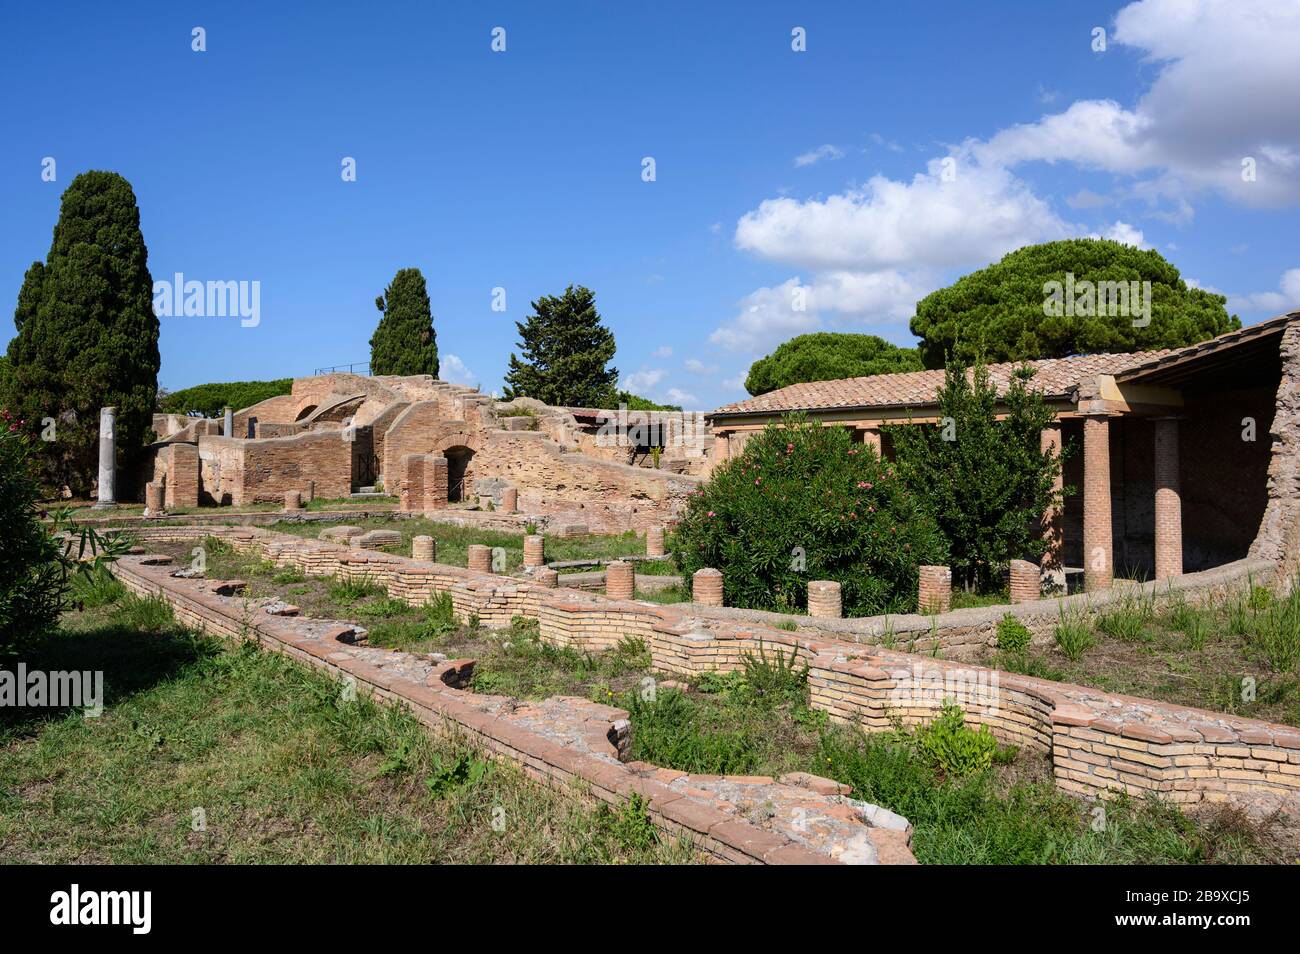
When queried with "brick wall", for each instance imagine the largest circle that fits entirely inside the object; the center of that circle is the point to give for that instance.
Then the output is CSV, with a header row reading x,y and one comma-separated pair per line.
x,y
1099,743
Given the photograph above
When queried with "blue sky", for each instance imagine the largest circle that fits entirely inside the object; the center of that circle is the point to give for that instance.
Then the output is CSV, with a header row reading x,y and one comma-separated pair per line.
x,y
775,169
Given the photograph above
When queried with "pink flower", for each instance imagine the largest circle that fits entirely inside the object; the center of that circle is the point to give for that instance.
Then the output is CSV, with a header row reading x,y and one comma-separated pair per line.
x,y
712,514
757,481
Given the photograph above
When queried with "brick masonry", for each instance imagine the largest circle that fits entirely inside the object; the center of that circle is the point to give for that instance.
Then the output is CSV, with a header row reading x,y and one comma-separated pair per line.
x,y
706,587
824,599
1025,581
620,581
654,542
934,589
1100,744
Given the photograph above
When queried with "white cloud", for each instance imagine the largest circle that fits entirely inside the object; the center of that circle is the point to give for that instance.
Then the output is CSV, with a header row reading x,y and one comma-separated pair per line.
x,y
826,151
451,368
1123,232
641,381
664,351
684,398
1224,92
696,366
1225,75
982,213
1272,302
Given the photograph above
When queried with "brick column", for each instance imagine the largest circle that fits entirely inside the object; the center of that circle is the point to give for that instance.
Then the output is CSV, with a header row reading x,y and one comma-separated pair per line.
x,y
871,436
480,558
654,542
424,549
1169,503
547,577
824,599
153,498
435,482
934,589
293,500
1052,569
1098,548
706,587
534,550
620,580
1026,583
410,486
510,500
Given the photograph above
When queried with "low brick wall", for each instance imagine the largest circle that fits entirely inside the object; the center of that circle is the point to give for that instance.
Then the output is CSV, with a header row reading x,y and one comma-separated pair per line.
x,y
565,742
1099,743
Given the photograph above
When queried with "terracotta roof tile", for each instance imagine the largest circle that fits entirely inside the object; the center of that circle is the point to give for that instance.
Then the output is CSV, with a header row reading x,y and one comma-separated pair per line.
x,y
1054,377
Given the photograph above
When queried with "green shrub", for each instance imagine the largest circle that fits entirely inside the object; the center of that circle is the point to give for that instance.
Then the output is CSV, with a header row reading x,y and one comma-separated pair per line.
x,y
778,678
350,592
982,472
1013,635
803,502
35,567
955,748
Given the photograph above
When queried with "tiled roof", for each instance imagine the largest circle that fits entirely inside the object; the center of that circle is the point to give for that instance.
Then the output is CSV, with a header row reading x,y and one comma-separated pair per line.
x,y
1054,377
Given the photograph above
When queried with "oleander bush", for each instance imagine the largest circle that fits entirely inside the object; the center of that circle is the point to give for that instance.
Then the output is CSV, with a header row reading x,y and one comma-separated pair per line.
x,y
804,502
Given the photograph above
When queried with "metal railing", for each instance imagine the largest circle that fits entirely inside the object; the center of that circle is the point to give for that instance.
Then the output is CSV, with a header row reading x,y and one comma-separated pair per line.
x,y
349,368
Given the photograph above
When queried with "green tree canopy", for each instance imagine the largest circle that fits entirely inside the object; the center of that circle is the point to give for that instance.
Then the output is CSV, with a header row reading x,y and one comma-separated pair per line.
x,y
804,502
827,356
998,312
987,482
87,333
210,399
566,352
404,341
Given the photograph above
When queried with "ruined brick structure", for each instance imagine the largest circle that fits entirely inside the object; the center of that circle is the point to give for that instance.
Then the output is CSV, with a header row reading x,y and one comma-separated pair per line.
x,y
435,444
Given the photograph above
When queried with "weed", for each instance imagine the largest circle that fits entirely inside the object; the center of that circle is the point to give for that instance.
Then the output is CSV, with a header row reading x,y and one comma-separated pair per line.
x,y
1073,634
1013,635
955,748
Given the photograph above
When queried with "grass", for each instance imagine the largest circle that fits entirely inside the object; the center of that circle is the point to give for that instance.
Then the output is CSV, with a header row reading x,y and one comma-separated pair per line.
x,y
212,754
453,542
1238,654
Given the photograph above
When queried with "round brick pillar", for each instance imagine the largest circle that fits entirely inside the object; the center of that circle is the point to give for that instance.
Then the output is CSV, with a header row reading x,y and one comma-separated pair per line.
x,y
480,558
423,549
1098,552
824,599
534,550
654,542
547,577
1169,501
620,581
510,500
706,587
1026,581
153,498
934,589
293,500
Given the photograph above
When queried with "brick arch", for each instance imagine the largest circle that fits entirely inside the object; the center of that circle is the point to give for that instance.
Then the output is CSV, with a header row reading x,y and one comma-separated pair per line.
x,y
459,447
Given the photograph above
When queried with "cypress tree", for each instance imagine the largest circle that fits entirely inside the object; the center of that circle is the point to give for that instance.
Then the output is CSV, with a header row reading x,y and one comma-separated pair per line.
x,y
404,342
87,333
565,352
